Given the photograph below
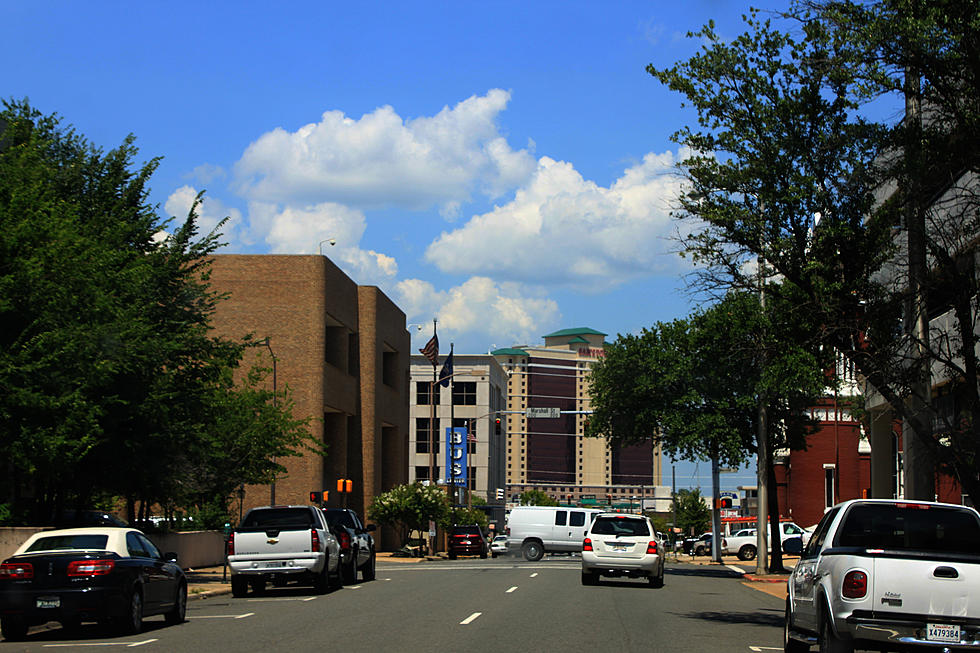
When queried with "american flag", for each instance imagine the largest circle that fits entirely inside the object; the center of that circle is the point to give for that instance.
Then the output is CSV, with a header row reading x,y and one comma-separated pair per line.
x,y
431,350
470,436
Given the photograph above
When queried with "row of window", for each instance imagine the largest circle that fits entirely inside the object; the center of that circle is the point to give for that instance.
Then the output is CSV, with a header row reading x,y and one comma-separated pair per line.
x,y
463,393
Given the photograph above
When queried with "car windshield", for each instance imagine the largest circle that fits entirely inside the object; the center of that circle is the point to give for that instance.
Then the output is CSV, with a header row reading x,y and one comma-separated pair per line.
x,y
620,526
68,542
466,530
918,527
339,517
278,518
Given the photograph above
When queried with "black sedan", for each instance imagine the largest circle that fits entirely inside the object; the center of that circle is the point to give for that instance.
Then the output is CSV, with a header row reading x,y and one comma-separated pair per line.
x,y
106,574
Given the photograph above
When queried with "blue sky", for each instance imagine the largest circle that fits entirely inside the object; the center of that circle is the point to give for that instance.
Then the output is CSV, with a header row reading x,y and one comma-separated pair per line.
x,y
503,167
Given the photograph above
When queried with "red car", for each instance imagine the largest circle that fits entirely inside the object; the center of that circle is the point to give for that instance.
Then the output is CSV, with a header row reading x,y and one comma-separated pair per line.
x,y
467,541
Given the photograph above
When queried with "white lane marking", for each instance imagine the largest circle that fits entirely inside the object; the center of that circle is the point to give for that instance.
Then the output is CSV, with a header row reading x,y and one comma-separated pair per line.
x,y
470,618
737,570
79,644
534,574
512,589
221,616
352,587
282,599
764,648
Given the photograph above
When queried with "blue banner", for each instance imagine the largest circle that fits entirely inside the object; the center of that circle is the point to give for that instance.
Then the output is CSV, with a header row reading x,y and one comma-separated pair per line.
x,y
456,456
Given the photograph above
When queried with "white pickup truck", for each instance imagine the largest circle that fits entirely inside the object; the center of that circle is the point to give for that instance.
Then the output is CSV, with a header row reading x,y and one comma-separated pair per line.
x,y
745,542
280,544
888,575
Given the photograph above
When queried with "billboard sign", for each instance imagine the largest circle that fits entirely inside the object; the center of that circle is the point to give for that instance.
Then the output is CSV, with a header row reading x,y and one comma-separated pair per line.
x,y
456,456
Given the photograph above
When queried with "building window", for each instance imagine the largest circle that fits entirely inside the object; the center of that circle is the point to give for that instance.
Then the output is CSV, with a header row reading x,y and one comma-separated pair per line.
x,y
464,393
421,472
422,389
389,368
422,435
828,485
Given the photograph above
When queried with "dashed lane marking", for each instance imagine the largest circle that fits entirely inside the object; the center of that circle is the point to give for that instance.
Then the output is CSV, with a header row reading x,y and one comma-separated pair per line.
x,y
78,644
512,589
470,619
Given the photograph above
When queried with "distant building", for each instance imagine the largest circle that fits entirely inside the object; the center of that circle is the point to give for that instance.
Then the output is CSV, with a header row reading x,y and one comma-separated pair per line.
x,y
550,453
472,399
343,351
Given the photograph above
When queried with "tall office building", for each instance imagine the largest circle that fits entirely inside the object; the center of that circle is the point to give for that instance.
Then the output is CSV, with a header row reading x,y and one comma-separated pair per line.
x,y
548,404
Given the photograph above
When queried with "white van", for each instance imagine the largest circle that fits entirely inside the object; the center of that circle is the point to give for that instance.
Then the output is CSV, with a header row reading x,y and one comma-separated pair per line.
x,y
537,530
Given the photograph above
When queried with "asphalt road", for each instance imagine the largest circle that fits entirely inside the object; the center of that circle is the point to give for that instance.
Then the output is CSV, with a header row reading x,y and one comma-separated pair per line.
x,y
467,605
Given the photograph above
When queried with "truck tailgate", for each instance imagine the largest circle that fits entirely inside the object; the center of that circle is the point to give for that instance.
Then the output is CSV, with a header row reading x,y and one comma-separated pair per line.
x,y
923,586
273,543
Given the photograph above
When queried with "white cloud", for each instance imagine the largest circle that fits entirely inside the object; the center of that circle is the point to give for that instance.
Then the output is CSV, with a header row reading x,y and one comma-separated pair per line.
x,y
561,228
210,212
381,159
480,308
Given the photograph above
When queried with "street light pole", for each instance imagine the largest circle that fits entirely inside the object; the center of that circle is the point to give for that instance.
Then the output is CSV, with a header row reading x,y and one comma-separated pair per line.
x,y
275,404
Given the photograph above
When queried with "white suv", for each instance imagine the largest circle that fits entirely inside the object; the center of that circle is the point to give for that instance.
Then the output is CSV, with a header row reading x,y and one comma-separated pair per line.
x,y
618,544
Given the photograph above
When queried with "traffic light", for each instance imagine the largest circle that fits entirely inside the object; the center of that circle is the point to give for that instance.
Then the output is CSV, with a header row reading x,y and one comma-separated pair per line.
x,y
496,426
319,496
345,485
500,494
725,503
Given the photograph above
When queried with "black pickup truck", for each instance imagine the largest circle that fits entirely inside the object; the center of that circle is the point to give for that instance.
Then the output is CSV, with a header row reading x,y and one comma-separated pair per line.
x,y
356,543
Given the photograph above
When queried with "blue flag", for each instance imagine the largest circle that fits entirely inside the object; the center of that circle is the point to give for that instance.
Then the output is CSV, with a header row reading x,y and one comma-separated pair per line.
x,y
446,373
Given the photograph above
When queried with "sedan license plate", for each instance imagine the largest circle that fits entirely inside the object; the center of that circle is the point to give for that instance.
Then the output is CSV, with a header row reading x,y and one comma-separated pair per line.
x,y
466,541
942,633
48,602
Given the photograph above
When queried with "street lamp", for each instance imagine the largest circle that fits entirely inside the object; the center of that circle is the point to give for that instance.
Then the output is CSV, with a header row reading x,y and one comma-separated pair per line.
x,y
275,404
332,242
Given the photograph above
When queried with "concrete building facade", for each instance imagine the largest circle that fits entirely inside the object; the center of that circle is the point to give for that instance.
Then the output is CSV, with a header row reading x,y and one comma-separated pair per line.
x,y
549,452
343,351
474,399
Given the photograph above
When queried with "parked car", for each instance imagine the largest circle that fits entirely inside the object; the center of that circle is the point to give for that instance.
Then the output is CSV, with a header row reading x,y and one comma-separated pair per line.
x,y
702,546
620,544
536,530
72,518
498,546
887,574
744,543
357,550
89,574
283,544
468,541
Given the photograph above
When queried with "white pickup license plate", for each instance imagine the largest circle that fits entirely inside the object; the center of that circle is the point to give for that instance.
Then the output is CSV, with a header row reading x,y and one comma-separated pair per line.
x,y
942,633
48,602
275,563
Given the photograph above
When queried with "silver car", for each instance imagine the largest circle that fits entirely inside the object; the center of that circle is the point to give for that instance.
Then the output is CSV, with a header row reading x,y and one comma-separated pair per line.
x,y
620,544
499,546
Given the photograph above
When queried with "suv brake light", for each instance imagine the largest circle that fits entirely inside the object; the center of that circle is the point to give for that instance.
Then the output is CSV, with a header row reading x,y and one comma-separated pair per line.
x,y
17,570
90,567
344,538
314,540
652,547
855,585
587,544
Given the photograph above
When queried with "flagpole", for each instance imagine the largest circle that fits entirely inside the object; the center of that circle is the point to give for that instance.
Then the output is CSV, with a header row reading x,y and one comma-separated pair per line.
x,y
452,429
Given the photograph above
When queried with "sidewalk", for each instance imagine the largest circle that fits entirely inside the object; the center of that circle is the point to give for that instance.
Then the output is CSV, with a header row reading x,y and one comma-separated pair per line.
x,y
773,584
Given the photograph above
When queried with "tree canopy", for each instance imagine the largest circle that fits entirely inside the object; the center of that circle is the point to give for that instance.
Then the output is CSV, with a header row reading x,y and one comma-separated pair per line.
x,y
114,384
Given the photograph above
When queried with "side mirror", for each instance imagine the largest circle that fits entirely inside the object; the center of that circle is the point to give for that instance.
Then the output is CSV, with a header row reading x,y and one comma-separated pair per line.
x,y
170,556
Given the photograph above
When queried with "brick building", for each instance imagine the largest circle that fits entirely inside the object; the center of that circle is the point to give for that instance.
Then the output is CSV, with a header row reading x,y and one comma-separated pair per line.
x,y
343,351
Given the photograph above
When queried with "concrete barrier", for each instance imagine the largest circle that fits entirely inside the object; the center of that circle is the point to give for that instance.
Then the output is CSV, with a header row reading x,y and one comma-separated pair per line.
x,y
193,548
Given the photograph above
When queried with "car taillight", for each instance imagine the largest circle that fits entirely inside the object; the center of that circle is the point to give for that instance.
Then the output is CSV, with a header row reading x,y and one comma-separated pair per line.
x,y
344,540
855,585
314,540
586,544
230,546
652,547
90,567
17,571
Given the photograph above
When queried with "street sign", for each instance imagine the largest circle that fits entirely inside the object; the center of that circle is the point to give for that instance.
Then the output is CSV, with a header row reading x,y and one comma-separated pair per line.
x,y
543,413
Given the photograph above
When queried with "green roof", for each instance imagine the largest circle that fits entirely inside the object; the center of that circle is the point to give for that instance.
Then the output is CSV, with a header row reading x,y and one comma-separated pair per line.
x,y
577,339
508,351
579,331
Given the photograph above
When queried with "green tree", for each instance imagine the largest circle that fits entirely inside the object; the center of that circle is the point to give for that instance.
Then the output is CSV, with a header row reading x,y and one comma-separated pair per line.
x,y
113,383
536,498
409,508
693,515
